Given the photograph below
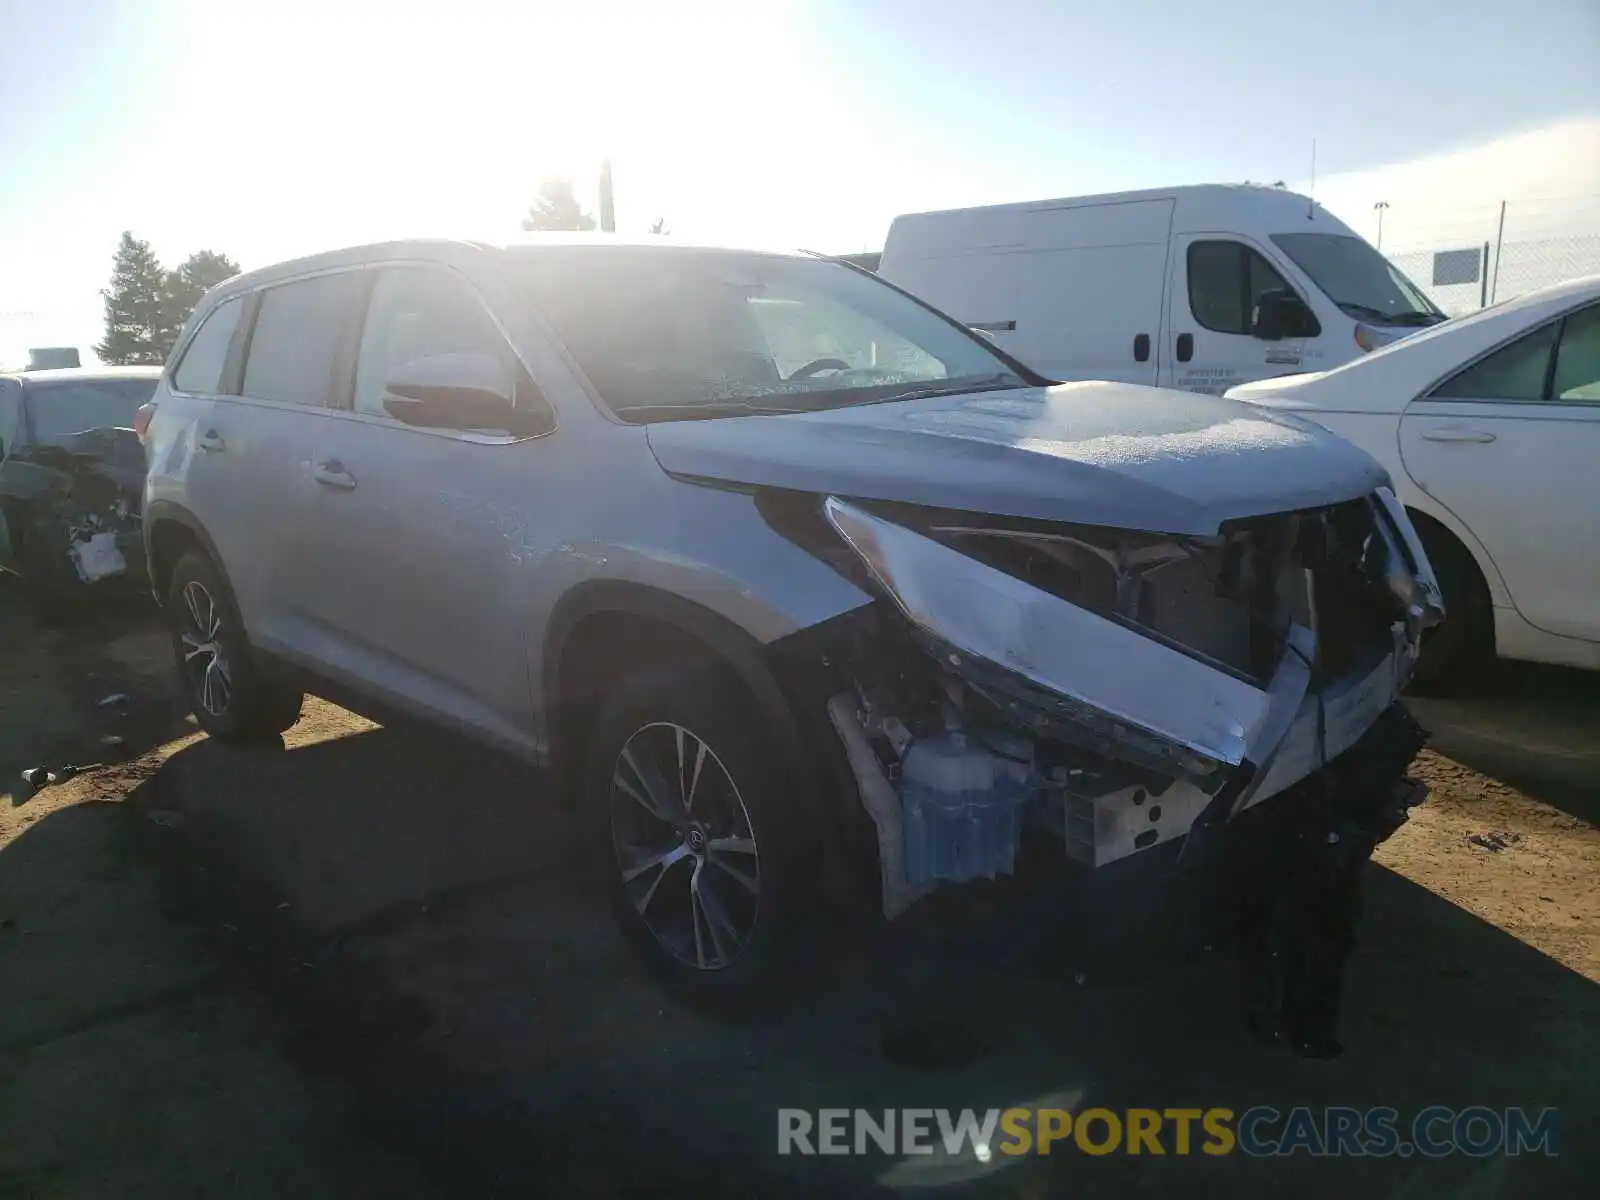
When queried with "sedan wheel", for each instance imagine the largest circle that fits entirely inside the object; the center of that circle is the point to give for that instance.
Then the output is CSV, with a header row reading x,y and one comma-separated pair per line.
x,y
684,846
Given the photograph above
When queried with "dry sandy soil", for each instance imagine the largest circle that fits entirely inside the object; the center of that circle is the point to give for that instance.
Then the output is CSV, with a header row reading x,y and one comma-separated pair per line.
x,y
372,963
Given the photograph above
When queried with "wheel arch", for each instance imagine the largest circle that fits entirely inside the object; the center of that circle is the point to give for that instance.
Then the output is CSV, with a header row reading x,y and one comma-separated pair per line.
x,y
1430,527
602,631
169,531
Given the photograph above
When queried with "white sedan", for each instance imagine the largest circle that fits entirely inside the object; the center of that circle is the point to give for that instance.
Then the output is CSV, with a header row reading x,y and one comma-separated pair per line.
x,y
1490,426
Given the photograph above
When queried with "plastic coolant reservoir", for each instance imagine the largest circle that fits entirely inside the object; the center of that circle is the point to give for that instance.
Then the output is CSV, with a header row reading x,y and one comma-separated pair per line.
x,y
962,803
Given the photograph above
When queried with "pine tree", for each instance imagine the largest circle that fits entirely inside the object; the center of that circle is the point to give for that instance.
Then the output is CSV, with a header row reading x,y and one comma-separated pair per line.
x,y
555,207
138,310
200,272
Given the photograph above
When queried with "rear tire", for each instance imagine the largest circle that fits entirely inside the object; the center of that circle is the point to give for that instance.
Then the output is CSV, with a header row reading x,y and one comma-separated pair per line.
x,y
232,698
1457,650
704,852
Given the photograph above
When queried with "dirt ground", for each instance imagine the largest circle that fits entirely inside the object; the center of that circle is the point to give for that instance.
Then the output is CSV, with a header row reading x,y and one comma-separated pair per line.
x,y
370,963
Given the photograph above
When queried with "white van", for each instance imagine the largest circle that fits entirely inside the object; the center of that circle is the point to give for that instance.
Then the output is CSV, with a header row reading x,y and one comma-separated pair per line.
x,y
1200,288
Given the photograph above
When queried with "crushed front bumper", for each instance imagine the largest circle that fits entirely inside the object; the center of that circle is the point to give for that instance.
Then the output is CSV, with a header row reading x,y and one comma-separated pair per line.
x,y
1131,738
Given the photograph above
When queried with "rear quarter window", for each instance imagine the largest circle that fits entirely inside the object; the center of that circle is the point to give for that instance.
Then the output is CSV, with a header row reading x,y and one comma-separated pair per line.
x,y
200,369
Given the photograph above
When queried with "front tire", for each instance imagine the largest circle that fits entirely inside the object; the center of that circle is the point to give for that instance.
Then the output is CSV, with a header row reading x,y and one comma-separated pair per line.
x,y
232,698
702,846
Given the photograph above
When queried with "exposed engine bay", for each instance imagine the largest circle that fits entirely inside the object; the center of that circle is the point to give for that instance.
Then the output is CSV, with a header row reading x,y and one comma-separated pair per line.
x,y
1114,689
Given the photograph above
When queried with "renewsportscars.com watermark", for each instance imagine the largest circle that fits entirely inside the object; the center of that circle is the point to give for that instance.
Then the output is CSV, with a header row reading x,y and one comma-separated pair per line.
x,y
1261,1131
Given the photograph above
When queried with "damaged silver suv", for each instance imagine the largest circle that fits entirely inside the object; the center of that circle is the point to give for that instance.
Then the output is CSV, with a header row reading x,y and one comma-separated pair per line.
x,y
790,580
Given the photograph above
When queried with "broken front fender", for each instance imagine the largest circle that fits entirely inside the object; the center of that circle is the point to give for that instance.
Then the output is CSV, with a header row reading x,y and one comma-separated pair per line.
x,y
1154,701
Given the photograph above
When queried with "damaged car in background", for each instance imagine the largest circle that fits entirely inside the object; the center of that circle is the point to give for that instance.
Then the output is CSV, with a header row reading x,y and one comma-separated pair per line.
x,y
803,590
71,478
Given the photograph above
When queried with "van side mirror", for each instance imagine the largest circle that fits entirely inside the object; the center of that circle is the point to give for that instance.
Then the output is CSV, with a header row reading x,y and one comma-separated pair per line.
x,y
467,390
1282,314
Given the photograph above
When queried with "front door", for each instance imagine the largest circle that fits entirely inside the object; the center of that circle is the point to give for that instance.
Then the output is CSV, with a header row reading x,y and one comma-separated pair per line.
x,y
1216,283
1511,446
430,520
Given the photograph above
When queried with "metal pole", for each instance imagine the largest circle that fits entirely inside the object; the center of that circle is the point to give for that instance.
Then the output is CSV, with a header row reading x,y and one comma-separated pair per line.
x,y
1483,279
1499,241
1380,206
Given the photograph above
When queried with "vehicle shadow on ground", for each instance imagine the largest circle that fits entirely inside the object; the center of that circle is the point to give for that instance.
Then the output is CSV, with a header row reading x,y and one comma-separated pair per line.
x,y
1533,727
430,933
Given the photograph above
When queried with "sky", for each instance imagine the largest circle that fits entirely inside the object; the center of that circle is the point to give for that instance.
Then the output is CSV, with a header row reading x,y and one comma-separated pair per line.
x,y
270,130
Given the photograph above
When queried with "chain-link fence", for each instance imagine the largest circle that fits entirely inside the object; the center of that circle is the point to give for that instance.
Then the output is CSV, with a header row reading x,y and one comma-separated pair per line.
x,y
1499,253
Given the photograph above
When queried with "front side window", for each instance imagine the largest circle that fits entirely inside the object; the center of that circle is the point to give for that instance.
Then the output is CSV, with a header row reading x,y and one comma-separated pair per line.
x,y
1577,375
56,410
299,329
671,334
1226,282
417,313
207,354
1363,283
1514,372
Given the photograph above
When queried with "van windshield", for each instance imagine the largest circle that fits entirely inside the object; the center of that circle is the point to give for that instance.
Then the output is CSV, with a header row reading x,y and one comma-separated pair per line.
x,y
1363,283
677,334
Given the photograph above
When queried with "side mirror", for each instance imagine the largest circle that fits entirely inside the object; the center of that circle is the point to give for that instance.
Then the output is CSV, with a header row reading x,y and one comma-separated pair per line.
x,y
1282,314
466,390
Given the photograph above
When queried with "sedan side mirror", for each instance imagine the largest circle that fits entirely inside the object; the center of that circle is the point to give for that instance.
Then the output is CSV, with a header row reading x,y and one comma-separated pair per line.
x,y
1282,314
466,390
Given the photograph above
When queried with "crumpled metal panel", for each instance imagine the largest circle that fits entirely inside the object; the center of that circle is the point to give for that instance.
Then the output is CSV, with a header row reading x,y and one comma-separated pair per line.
x,y
977,610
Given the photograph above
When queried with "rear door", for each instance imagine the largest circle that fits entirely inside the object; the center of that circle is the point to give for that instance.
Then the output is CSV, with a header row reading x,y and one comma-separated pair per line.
x,y
1511,445
1216,284
249,481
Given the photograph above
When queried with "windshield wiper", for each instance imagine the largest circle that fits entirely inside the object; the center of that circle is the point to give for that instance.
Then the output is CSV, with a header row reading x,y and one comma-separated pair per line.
x,y
1413,318
708,408
1004,381
1351,308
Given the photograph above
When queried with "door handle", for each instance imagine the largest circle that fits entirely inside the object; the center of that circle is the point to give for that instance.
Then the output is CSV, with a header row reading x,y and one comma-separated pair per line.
x,y
1457,435
211,442
331,473
1141,347
1185,347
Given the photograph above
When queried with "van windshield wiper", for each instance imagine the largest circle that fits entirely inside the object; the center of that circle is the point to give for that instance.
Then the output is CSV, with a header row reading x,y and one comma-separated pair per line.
x,y
1414,318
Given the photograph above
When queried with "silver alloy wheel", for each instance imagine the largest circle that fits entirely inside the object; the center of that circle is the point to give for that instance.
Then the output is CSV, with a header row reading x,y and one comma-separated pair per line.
x,y
685,846
205,663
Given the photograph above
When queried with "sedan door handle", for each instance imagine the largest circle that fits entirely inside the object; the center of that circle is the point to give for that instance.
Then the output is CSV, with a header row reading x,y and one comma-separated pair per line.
x,y
1457,435
211,441
331,473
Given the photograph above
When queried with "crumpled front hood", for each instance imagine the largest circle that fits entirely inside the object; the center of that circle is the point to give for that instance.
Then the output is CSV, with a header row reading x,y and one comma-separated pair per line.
x,y
1110,454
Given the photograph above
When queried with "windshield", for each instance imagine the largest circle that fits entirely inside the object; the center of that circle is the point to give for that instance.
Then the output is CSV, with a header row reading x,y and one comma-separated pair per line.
x,y
59,409
1363,283
674,334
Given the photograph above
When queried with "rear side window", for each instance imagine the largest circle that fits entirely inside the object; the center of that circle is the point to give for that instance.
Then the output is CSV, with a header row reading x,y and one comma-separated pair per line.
x,y
1226,280
300,331
1514,372
207,355
1577,374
